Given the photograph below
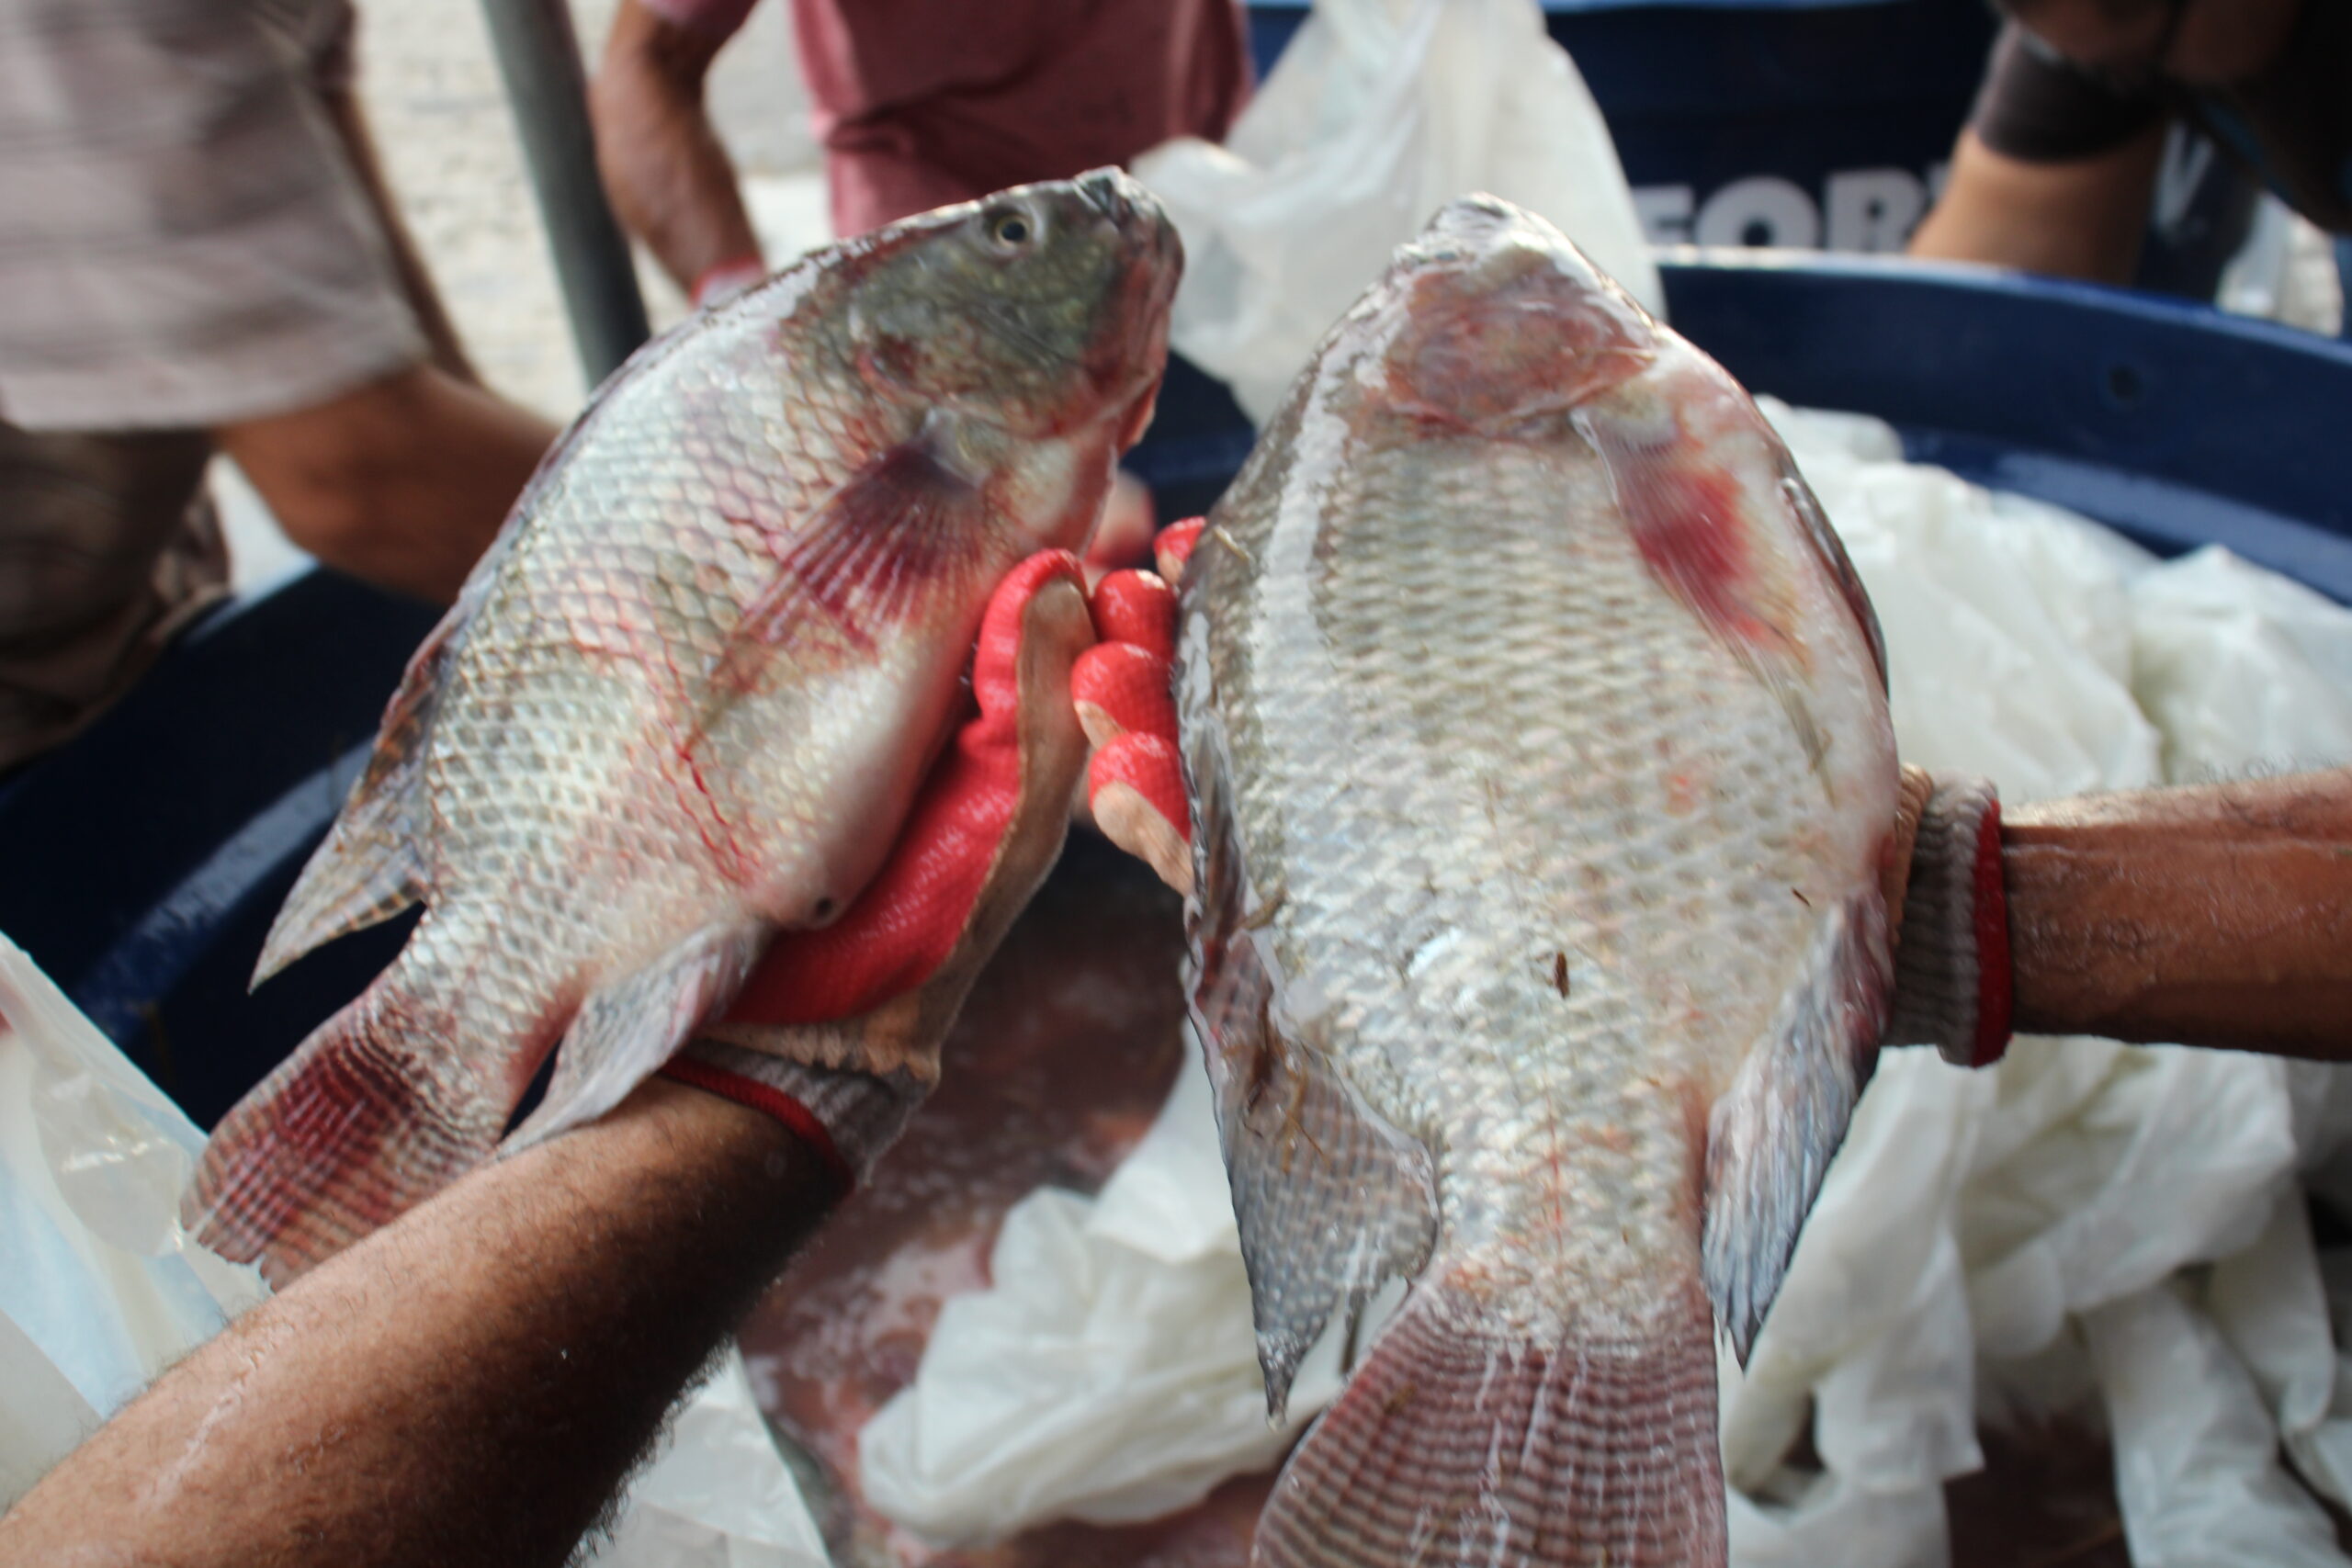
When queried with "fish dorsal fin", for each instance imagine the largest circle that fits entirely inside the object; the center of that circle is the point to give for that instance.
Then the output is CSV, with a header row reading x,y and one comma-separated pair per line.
x,y
371,865
1330,1200
904,525
1688,520
1771,1135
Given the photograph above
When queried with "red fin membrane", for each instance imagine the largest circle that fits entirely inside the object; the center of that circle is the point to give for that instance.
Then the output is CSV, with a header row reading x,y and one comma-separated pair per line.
x,y
1329,1199
903,525
347,1133
1460,1443
632,1026
1773,1134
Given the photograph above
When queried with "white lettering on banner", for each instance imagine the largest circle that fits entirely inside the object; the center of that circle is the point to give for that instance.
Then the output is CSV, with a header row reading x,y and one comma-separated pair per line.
x,y
1762,210
1873,210
1665,212
1868,210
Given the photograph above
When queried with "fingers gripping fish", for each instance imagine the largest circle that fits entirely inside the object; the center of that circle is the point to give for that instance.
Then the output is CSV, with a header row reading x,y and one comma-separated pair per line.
x,y
687,698
1538,738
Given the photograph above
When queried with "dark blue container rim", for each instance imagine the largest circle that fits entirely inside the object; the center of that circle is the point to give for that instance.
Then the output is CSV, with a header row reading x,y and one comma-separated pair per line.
x,y
2163,311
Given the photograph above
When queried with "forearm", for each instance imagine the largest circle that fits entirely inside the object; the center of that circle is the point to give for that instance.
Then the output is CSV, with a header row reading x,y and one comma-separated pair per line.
x,y
2215,915
404,482
669,178
471,1384
2083,218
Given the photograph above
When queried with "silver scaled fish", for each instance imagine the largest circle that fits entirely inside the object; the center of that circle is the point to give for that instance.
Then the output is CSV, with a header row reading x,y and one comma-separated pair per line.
x,y
1542,777
687,698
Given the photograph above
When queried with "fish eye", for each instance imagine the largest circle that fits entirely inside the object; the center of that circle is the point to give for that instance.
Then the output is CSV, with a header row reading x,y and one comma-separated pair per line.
x,y
1011,229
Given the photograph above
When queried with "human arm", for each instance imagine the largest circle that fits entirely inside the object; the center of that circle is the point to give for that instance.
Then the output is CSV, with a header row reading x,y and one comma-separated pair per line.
x,y
669,178
2082,218
2217,915
2053,172
470,1384
403,480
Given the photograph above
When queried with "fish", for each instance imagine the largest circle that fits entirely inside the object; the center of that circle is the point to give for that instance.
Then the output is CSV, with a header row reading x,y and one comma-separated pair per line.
x,y
685,700
1536,731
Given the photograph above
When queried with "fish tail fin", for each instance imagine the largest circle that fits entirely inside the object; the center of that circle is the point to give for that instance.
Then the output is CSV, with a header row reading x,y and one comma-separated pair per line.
x,y
358,1126
1463,1439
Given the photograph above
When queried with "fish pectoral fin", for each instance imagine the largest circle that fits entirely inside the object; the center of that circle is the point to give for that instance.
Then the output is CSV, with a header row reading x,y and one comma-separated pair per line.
x,y
906,524
1330,1200
633,1025
371,865
1771,1137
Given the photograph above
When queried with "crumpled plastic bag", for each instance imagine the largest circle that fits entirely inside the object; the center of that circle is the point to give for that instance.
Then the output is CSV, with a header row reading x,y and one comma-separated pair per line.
x,y
103,1290
1378,113
2122,1224
718,1494
1105,1377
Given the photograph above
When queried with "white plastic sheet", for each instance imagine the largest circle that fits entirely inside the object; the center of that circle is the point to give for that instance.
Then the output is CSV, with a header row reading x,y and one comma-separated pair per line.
x,y
1378,113
1107,1377
101,1288
2088,1221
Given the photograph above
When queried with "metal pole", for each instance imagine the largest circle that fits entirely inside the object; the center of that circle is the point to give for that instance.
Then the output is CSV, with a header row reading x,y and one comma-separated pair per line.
x,y
548,92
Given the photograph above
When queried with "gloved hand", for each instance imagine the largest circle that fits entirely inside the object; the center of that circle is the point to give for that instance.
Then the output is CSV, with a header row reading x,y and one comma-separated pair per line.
x,y
1944,880
837,1031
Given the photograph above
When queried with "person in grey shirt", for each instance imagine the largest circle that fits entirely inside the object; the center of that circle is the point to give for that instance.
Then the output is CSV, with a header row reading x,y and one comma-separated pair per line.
x,y
197,255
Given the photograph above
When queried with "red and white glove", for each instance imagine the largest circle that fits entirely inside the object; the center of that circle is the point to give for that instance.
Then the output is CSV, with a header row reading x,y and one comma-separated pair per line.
x,y
837,1033
1953,972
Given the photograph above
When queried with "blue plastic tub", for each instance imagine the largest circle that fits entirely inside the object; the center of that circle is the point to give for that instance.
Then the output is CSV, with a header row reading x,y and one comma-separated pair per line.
x,y
146,862
1818,123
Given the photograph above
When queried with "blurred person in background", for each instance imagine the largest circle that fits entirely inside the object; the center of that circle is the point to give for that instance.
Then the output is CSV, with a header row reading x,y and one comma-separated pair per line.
x,y
918,104
198,253
2056,169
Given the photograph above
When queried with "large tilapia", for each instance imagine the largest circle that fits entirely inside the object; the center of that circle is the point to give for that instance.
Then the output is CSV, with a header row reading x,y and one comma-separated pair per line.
x,y
1543,774
688,697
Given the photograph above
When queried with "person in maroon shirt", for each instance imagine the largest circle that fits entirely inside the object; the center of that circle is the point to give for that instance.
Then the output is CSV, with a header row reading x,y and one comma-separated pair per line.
x,y
917,105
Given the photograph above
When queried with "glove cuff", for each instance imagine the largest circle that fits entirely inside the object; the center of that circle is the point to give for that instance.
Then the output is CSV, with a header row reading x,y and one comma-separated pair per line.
x,y
847,1118
1951,963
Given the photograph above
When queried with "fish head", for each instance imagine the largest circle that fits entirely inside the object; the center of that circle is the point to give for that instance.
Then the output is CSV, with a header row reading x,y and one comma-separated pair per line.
x,y
1039,312
1494,323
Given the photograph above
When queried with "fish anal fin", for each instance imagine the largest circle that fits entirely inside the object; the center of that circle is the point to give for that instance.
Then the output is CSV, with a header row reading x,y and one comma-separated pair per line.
x,y
629,1027
1467,1439
1330,1200
371,865
1773,1134
903,525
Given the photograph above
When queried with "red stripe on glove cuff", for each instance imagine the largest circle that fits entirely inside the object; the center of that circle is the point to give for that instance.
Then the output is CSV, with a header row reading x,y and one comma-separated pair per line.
x,y
796,1117
1993,980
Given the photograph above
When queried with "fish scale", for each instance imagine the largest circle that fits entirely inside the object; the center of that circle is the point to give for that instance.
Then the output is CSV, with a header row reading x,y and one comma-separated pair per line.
x,y
1541,771
687,699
